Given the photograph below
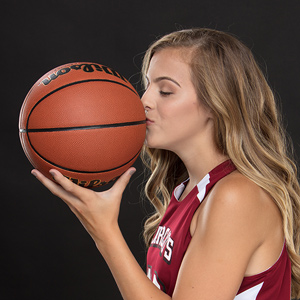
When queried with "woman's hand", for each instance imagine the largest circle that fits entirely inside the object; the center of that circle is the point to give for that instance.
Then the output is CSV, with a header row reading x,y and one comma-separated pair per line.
x,y
97,211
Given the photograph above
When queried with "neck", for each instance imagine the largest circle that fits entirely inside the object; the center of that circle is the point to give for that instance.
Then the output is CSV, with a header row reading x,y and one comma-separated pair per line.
x,y
199,153
199,162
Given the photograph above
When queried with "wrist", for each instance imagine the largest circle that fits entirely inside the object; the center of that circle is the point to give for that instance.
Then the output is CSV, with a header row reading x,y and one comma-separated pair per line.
x,y
108,238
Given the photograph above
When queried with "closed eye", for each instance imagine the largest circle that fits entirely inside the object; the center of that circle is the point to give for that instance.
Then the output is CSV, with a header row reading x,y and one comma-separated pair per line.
x,y
165,93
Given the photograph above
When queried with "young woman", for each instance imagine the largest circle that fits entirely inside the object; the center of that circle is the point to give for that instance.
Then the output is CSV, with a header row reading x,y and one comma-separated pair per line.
x,y
230,229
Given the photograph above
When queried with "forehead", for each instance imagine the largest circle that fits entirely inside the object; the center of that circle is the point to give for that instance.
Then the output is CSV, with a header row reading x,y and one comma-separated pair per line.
x,y
171,62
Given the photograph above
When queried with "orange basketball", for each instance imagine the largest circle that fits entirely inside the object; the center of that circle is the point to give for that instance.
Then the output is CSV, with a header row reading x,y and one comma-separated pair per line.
x,y
85,120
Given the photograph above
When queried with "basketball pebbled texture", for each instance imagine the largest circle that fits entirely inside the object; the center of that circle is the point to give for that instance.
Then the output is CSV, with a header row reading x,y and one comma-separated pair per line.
x,y
84,119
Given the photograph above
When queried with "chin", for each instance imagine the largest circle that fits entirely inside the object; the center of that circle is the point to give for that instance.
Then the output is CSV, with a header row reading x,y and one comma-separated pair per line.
x,y
154,143
150,145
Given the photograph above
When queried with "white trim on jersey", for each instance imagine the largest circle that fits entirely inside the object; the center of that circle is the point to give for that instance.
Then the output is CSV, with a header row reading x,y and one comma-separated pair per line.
x,y
250,294
202,187
179,189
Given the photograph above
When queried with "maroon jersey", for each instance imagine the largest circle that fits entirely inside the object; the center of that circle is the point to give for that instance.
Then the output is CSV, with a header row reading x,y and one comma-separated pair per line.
x,y
272,284
172,238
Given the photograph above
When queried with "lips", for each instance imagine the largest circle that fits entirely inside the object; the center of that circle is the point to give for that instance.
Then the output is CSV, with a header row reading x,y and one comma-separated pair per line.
x,y
149,122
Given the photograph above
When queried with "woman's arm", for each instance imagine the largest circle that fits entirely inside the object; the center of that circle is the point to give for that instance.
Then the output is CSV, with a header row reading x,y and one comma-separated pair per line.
x,y
130,278
225,238
98,212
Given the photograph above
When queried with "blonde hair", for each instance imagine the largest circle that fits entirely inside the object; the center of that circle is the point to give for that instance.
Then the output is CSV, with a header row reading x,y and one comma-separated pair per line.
x,y
247,128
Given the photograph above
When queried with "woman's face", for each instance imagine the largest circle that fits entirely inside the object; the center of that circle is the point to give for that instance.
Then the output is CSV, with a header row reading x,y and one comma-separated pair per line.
x,y
175,117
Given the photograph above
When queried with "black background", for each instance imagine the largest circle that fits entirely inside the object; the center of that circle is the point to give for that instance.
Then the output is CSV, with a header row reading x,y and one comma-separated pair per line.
x,y
45,252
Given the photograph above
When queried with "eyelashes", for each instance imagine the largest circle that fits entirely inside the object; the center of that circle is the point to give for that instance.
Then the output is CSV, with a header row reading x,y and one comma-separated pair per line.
x,y
163,93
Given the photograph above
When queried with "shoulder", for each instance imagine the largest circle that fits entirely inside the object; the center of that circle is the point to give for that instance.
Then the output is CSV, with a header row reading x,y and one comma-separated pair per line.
x,y
239,192
237,206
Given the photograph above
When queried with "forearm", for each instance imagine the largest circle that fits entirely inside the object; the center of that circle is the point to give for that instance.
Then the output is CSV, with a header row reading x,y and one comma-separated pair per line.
x,y
98,212
129,276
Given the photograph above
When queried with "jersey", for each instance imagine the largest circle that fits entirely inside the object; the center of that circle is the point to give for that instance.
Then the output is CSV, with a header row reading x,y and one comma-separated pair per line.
x,y
172,237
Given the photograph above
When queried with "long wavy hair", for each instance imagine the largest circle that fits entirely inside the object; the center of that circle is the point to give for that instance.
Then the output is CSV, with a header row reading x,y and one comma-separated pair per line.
x,y
248,128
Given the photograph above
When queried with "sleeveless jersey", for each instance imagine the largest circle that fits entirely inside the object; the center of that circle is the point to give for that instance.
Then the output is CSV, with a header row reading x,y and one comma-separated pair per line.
x,y
172,238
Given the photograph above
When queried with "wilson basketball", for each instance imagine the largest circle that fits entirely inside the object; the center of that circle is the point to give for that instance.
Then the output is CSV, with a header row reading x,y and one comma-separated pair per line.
x,y
85,120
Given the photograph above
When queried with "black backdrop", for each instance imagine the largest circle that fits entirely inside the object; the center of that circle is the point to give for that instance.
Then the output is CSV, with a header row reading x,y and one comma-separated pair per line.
x,y
45,252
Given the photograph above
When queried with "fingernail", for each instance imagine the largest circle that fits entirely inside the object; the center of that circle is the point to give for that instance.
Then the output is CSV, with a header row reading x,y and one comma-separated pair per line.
x,y
52,174
131,172
33,173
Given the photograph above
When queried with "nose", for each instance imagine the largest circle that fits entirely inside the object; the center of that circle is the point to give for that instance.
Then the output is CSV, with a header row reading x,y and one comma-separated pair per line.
x,y
146,100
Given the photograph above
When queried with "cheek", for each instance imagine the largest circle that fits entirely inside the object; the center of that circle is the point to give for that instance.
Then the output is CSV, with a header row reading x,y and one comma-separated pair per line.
x,y
180,113
165,112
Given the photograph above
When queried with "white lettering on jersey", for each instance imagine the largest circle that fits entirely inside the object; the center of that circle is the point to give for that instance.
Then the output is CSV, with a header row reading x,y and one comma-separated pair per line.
x,y
250,294
163,241
169,248
154,278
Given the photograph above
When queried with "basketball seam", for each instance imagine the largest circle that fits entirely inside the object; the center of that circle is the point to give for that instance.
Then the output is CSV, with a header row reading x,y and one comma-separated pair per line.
x,y
88,172
88,127
70,84
78,171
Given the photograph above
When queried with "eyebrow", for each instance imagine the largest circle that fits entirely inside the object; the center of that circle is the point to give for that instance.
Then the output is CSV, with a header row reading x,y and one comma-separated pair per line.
x,y
158,79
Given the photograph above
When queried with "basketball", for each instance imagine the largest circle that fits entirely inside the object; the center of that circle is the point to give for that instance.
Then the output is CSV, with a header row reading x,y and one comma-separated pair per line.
x,y
85,120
